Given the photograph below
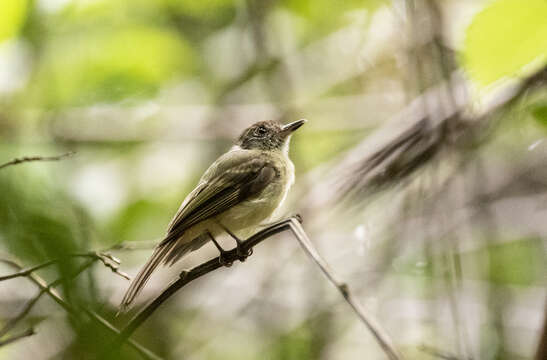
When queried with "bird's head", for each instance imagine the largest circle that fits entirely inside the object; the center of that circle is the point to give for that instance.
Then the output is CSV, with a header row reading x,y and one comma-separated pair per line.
x,y
268,135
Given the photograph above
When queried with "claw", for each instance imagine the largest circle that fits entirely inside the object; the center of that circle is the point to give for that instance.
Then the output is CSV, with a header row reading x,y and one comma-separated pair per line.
x,y
243,255
222,261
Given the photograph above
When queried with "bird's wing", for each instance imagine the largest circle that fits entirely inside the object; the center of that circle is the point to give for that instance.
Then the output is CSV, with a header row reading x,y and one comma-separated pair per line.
x,y
235,177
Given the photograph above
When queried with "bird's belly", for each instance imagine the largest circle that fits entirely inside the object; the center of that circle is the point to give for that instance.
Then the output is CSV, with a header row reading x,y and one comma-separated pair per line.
x,y
250,213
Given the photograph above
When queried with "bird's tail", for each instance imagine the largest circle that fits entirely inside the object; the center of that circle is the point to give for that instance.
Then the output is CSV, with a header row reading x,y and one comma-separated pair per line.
x,y
166,252
138,283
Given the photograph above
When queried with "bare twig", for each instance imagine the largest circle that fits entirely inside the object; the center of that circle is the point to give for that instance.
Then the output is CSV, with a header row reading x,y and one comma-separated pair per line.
x,y
10,324
36,158
28,271
107,259
42,284
293,224
135,245
14,338
381,336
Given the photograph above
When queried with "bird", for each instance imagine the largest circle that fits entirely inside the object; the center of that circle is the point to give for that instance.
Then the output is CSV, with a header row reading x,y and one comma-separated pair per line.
x,y
239,191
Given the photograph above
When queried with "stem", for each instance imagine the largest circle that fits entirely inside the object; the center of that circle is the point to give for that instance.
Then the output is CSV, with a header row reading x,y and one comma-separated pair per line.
x,y
36,158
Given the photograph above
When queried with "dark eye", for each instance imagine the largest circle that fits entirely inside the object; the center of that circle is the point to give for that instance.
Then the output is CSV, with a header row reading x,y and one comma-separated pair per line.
x,y
261,131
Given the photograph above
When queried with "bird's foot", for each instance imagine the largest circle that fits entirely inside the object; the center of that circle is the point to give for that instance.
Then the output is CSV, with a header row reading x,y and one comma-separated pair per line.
x,y
222,259
242,254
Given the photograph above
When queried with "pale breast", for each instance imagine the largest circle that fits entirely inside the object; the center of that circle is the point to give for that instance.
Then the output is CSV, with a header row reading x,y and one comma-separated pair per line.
x,y
250,213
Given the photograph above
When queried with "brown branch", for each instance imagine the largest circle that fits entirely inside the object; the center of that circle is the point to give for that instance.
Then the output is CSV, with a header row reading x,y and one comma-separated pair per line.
x,y
107,259
379,334
36,158
28,271
293,224
42,284
14,338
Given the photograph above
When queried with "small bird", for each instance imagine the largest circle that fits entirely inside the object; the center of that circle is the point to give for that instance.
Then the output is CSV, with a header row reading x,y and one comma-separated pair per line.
x,y
241,189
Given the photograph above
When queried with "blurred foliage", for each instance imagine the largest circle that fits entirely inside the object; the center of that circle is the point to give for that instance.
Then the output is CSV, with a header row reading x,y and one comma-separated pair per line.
x,y
38,221
518,262
12,17
294,345
539,111
324,16
110,65
142,219
504,39
321,146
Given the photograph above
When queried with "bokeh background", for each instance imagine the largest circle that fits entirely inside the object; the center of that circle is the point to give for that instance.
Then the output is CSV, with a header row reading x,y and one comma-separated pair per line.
x,y
443,241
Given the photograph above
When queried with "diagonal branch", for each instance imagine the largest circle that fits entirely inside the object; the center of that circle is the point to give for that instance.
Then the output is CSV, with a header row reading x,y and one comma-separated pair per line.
x,y
10,324
379,334
14,338
294,225
36,158
42,284
107,259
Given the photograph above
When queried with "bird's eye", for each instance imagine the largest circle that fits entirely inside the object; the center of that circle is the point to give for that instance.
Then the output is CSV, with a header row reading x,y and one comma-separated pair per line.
x,y
260,131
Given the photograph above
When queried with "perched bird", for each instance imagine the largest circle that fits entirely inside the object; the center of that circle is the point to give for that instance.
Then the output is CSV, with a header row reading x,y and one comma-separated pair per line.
x,y
241,189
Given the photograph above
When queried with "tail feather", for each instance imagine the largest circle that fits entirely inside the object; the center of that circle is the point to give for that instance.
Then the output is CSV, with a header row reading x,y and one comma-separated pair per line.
x,y
182,249
142,277
167,253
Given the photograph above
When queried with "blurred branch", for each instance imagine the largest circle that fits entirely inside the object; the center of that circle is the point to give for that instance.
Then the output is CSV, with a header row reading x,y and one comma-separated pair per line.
x,y
424,139
294,225
381,336
14,338
36,158
10,324
42,284
107,259
135,245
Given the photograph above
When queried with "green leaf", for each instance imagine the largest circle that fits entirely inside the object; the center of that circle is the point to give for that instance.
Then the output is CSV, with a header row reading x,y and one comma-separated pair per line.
x,y
12,16
505,40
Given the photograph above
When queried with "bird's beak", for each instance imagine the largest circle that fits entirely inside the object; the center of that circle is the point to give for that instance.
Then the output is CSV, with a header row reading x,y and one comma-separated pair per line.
x,y
290,127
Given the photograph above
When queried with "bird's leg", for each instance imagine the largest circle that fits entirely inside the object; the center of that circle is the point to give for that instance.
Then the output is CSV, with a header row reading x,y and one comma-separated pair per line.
x,y
221,258
242,254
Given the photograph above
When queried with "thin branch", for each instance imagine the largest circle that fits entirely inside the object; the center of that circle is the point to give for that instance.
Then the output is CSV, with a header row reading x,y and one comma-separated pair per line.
x,y
107,259
42,284
36,158
135,245
28,271
14,338
10,324
381,336
293,224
